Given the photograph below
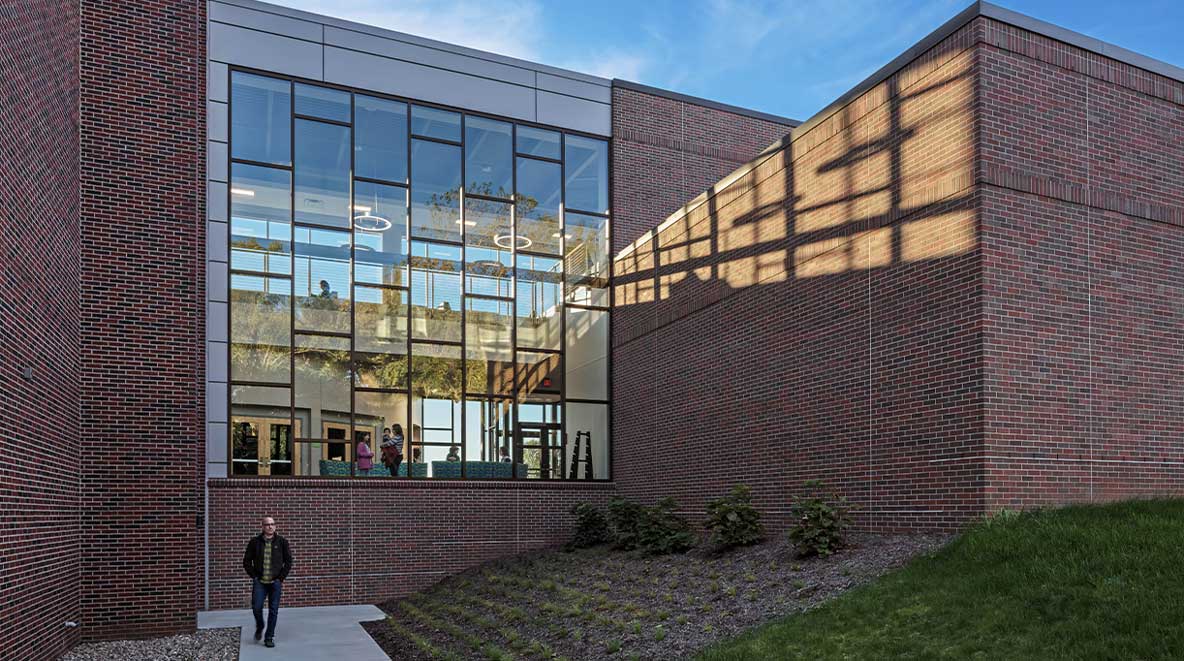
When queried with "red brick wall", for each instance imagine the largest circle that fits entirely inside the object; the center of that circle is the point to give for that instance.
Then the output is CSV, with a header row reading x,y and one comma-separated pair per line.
x,y
142,367
667,151
39,414
1083,232
364,541
820,317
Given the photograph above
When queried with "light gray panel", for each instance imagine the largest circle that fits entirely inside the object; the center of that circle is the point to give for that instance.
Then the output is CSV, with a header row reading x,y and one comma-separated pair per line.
x,y
215,470
216,118
216,402
429,56
217,362
216,242
217,80
260,50
601,93
216,161
572,113
216,321
216,284
427,84
216,192
267,22
216,442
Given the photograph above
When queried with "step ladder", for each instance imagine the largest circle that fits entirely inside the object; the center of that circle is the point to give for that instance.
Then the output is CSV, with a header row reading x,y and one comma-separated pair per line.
x,y
576,459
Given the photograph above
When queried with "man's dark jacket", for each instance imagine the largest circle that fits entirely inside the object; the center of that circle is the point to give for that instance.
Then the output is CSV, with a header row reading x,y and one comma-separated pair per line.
x,y
281,557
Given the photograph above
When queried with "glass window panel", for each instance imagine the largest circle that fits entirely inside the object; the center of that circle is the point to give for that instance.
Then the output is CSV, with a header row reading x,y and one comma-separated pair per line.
x,y
489,157
587,261
260,430
586,166
435,371
435,191
380,234
587,353
435,123
538,142
590,421
380,147
260,329
489,348
260,219
378,415
380,337
322,102
435,387
538,373
538,202
538,309
489,260
435,291
540,450
260,118
488,438
322,173
322,280
322,395
432,461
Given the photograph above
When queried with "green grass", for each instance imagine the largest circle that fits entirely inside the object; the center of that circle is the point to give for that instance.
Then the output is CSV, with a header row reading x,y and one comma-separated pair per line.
x,y
1096,582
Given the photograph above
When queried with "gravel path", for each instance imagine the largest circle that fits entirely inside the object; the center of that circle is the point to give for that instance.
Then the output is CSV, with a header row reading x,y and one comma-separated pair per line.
x,y
204,645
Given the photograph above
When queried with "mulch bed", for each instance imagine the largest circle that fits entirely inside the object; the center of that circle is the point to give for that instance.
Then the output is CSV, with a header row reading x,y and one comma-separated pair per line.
x,y
604,604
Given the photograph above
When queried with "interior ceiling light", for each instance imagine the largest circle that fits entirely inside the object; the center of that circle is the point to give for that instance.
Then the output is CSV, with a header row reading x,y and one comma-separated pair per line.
x,y
245,192
468,223
370,223
507,241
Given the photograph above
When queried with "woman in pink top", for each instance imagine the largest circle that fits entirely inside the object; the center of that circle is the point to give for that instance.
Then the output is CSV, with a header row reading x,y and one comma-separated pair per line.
x,y
365,457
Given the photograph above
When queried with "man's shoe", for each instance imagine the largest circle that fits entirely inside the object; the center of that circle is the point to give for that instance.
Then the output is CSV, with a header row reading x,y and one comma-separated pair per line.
x,y
259,634
269,643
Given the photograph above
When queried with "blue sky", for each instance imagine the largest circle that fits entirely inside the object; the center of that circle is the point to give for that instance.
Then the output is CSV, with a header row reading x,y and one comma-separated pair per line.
x,y
786,58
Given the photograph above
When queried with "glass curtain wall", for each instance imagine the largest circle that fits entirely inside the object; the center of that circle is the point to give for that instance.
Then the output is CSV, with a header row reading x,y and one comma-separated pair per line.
x,y
415,292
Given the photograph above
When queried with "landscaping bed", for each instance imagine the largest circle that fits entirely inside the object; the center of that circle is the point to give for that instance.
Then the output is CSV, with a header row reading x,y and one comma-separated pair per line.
x,y
201,645
600,603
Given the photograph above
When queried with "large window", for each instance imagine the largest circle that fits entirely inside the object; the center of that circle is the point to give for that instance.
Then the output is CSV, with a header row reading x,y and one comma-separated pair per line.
x,y
415,282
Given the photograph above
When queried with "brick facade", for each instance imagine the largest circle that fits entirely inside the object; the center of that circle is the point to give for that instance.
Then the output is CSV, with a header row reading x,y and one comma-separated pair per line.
x,y
364,541
39,335
142,365
952,294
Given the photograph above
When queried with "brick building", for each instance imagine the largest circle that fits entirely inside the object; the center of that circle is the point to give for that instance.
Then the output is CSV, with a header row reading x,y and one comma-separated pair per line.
x,y
269,237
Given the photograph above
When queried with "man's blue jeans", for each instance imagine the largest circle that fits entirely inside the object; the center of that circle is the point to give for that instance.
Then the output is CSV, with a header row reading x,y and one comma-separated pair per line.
x,y
270,591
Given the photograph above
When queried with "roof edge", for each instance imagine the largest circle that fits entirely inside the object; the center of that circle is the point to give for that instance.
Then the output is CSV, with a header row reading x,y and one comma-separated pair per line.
x,y
975,10
706,103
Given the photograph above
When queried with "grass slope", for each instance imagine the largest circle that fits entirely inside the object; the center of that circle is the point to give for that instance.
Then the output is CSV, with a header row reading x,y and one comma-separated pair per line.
x,y
1084,582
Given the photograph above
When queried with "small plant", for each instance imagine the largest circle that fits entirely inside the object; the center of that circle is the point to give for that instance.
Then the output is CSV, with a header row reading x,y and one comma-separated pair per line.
x,y
613,646
798,585
732,519
821,518
682,619
636,626
591,527
731,591
659,633
750,577
662,615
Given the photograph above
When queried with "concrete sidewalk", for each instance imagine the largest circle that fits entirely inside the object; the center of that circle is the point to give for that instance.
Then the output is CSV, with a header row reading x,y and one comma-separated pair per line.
x,y
304,634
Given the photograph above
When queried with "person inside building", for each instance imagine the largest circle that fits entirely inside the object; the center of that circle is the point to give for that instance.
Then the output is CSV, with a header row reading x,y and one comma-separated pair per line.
x,y
453,453
268,560
365,455
503,455
392,449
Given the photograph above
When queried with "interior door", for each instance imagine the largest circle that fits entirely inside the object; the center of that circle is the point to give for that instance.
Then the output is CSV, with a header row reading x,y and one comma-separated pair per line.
x,y
540,446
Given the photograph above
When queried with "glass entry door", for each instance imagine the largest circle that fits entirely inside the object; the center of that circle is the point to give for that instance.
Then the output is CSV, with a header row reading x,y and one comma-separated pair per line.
x,y
262,446
539,445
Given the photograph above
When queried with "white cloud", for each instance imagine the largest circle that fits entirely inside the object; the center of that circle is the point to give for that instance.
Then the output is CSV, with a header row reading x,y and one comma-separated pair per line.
x,y
499,26
609,64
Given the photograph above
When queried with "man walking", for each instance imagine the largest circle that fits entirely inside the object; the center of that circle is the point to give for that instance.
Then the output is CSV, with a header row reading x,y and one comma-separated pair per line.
x,y
267,561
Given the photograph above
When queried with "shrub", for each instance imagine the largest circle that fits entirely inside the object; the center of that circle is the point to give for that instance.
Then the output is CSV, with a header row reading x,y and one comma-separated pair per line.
x,y
652,530
732,519
663,531
625,520
591,527
820,521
